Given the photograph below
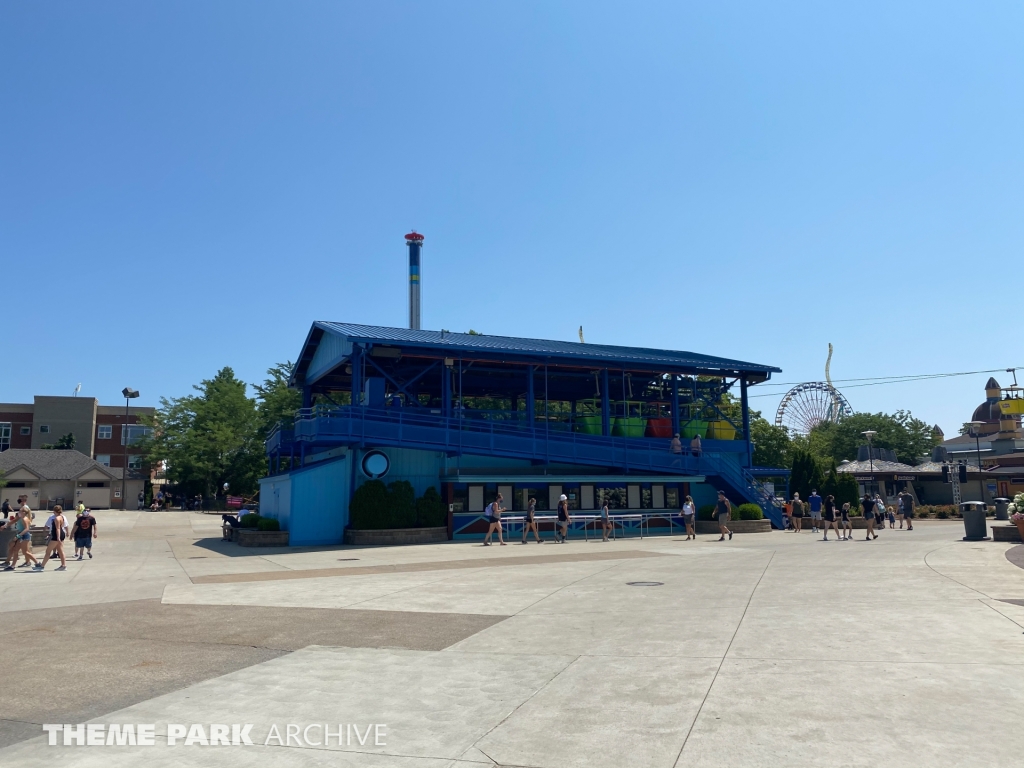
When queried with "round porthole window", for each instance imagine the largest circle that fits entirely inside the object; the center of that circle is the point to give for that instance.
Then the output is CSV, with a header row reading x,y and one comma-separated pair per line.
x,y
376,464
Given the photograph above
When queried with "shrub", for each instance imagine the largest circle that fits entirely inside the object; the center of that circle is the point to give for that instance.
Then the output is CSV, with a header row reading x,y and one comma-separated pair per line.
x,y
747,512
430,509
369,506
942,514
706,512
268,524
249,521
401,505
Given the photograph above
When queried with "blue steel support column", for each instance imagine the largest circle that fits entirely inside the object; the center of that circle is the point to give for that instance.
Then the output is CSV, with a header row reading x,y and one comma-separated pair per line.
x,y
307,397
357,375
746,421
531,405
675,403
606,411
446,391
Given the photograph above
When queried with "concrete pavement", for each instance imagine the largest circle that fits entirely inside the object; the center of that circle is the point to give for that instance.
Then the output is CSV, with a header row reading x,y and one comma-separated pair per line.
x,y
771,649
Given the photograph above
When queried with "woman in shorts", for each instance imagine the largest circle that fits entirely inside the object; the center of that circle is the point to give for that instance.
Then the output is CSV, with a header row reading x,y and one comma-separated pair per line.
x,y
830,516
689,511
562,524
847,525
797,513
606,523
867,504
58,532
531,522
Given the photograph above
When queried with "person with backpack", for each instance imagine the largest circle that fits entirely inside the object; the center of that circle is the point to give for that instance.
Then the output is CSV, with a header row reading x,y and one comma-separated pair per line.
x,y
83,532
530,523
493,516
908,510
797,514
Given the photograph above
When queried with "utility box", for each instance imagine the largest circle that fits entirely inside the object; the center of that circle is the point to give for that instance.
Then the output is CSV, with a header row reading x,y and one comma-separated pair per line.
x,y
975,525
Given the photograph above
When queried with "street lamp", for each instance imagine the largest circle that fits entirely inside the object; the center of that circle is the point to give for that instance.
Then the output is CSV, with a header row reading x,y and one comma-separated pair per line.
x,y
870,433
129,394
973,432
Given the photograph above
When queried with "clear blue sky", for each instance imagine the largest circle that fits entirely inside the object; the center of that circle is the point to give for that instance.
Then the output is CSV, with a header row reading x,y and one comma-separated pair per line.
x,y
188,185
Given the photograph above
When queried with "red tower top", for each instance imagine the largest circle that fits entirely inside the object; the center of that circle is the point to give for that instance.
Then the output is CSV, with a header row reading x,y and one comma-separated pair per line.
x,y
414,236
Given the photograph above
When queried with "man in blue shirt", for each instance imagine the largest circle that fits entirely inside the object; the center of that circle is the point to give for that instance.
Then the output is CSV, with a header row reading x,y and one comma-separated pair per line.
x,y
815,503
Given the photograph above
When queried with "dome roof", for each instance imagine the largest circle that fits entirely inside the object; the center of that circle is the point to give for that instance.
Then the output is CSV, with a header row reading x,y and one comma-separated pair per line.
x,y
984,412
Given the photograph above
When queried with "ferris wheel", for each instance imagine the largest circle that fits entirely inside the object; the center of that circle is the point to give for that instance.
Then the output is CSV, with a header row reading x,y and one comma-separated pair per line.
x,y
807,405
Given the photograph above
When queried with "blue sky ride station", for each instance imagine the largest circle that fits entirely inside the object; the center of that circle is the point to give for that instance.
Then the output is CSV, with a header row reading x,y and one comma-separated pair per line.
x,y
472,415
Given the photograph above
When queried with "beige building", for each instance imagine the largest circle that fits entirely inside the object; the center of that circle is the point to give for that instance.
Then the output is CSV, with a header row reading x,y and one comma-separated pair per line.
x,y
48,477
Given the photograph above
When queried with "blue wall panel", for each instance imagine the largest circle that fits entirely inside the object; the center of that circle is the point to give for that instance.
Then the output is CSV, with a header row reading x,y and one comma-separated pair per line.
x,y
331,350
319,505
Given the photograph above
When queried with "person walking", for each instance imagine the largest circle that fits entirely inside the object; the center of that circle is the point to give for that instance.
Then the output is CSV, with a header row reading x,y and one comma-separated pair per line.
x,y
891,514
814,502
879,513
689,511
675,447
847,525
493,516
695,447
530,523
798,513
606,521
723,509
908,510
867,505
830,516
562,524
6,508
58,529
23,536
83,532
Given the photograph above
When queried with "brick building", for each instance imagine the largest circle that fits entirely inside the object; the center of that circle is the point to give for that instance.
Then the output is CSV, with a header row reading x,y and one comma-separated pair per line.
x,y
99,430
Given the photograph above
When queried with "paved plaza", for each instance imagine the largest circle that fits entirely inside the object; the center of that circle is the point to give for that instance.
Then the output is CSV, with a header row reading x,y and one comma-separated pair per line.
x,y
768,650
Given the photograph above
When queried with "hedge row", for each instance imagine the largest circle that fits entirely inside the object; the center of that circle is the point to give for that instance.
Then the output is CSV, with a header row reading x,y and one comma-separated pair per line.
x,y
377,506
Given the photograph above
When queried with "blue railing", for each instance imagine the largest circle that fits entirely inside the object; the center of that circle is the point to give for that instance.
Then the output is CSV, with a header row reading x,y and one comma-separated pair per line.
x,y
421,428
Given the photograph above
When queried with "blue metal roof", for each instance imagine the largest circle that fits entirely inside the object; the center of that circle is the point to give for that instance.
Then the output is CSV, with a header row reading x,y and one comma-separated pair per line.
x,y
508,346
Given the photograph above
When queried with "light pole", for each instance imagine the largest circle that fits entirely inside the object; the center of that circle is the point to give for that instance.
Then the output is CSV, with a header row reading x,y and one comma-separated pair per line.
x,y
870,433
129,394
973,432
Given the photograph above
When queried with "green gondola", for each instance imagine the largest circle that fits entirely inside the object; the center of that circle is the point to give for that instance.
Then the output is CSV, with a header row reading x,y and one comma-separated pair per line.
x,y
588,417
629,420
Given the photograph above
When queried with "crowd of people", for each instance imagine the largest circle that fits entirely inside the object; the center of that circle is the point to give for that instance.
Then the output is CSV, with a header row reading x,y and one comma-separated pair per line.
x,y
494,511
826,516
19,521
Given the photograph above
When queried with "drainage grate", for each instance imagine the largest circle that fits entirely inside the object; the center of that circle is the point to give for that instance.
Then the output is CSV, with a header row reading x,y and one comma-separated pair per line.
x,y
644,583
343,559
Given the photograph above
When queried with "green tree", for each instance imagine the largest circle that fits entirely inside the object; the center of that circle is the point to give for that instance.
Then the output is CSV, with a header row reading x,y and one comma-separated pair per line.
x,y
772,445
276,403
64,443
806,474
909,437
210,438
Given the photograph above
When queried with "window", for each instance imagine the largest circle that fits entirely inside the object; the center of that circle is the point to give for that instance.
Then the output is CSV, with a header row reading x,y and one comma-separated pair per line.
x,y
95,485
5,436
134,461
136,432
44,429
25,430
103,458
104,432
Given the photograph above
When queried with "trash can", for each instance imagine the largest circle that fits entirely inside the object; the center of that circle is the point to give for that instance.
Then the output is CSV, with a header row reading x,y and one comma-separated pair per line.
x,y
1002,509
975,525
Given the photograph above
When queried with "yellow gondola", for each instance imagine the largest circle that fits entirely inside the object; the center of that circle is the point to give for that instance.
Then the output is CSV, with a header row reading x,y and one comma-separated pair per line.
x,y
1012,403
